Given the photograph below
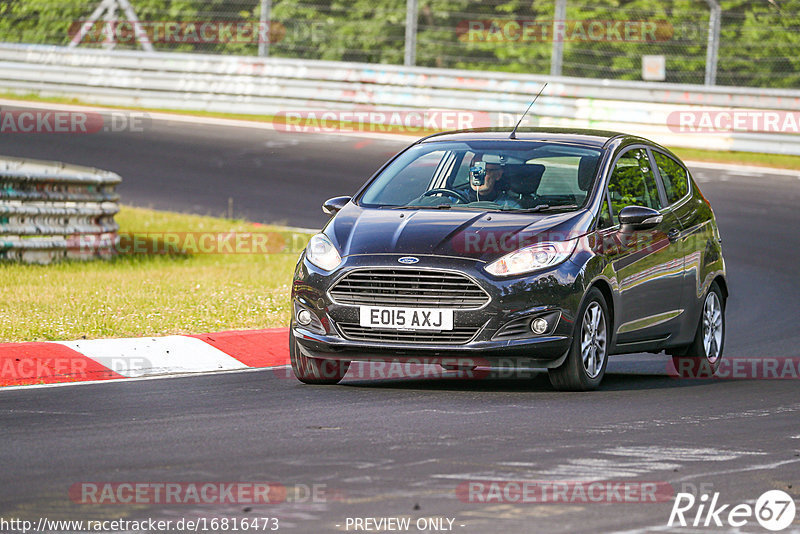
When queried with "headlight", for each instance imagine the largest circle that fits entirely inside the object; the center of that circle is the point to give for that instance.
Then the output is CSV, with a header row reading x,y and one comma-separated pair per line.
x,y
532,258
321,252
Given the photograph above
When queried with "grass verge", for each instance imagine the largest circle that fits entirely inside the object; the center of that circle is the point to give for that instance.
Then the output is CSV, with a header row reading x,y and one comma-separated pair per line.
x,y
777,161
140,294
781,161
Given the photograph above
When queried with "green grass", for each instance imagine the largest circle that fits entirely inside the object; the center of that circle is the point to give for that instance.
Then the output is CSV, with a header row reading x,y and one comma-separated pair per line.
x,y
780,161
692,154
150,294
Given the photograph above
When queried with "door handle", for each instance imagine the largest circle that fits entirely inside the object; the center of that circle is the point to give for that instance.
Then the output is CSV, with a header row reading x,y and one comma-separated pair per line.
x,y
673,235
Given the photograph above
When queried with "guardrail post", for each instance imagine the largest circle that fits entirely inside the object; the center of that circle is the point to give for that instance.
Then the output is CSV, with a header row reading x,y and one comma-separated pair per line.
x,y
411,33
712,52
557,57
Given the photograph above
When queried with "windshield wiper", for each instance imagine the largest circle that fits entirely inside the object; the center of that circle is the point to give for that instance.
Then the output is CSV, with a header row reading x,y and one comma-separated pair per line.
x,y
546,207
535,209
421,207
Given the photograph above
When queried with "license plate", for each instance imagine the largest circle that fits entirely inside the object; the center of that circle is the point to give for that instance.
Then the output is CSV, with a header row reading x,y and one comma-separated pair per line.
x,y
406,318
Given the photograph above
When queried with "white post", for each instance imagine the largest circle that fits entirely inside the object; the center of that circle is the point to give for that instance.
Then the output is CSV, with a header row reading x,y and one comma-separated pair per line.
x,y
87,25
141,35
712,52
411,33
557,57
110,26
108,11
263,41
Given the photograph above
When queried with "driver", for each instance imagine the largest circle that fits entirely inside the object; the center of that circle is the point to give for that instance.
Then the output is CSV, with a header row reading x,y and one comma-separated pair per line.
x,y
485,184
483,178
486,181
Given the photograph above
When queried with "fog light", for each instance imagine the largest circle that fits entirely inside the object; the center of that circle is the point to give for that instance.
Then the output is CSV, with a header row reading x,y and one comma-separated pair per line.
x,y
539,326
304,317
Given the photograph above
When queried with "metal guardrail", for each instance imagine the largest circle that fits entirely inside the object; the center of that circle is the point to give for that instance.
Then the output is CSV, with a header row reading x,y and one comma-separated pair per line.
x,y
51,211
251,85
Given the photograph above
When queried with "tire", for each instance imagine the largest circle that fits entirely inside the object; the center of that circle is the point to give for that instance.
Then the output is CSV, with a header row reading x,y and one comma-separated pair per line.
x,y
315,370
586,362
702,358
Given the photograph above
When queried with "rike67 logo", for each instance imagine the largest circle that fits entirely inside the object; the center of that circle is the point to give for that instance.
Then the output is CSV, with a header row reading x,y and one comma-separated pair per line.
x,y
774,510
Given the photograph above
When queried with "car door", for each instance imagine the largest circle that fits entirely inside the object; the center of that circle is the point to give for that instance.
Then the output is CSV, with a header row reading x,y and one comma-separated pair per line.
x,y
648,264
697,231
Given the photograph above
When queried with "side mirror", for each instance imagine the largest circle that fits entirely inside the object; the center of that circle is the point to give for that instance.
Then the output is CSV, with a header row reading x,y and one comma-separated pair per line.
x,y
333,205
632,218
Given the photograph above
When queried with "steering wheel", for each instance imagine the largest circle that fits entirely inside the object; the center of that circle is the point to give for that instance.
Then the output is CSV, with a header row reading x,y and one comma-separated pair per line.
x,y
448,192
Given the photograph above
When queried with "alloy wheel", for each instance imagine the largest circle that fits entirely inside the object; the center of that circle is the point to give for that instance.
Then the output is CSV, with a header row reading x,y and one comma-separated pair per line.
x,y
593,340
712,326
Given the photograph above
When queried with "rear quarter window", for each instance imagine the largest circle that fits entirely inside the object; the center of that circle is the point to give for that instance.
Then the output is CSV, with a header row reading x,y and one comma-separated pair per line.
x,y
673,176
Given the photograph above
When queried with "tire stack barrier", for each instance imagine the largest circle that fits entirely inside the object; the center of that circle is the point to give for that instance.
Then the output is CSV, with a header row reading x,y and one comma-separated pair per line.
x,y
51,211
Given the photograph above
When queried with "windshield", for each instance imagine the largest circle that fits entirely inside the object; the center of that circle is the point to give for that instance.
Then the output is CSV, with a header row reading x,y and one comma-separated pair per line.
x,y
486,175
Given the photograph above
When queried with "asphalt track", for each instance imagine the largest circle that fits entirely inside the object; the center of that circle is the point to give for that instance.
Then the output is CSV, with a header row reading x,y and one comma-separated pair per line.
x,y
400,447
271,176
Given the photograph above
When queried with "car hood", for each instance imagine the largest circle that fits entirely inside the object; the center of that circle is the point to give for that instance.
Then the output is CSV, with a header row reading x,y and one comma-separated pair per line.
x,y
472,234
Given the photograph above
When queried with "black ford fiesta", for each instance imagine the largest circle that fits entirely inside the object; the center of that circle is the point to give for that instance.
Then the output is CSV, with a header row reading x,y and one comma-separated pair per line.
x,y
549,248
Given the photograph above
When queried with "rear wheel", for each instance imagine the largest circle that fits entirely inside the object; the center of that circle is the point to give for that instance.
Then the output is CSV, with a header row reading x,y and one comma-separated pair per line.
x,y
586,361
315,370
702,358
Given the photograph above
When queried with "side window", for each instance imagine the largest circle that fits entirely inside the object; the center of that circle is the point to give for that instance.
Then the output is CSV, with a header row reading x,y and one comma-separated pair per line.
x,y
462,175
632,183
674,177
605,220
410,182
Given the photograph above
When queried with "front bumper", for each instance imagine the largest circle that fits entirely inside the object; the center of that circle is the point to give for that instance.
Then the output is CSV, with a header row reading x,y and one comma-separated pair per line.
x,y
554,293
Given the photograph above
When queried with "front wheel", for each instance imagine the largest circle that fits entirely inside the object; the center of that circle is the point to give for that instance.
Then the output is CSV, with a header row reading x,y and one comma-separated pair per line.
x,y
586,361
315,370
702,358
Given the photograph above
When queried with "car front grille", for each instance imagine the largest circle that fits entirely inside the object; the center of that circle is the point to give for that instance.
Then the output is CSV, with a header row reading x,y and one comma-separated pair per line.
x,y
410,288
457,336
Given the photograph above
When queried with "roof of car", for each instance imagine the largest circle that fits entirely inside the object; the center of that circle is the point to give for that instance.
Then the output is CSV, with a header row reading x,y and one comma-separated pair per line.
x,y
596,138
